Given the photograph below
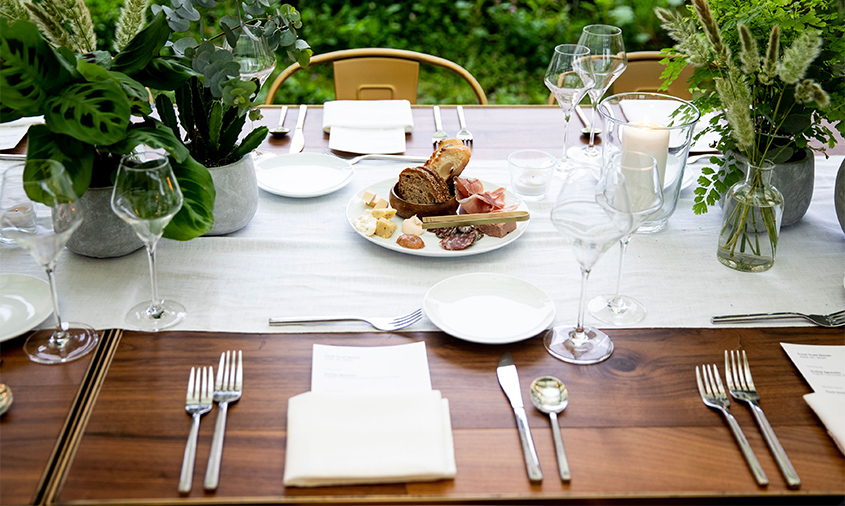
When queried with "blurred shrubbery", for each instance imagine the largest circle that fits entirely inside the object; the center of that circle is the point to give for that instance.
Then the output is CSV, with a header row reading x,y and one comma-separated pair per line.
x,y
505,44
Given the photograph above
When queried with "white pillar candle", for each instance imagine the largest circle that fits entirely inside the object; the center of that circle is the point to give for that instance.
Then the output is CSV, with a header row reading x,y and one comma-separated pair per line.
x,y
650,138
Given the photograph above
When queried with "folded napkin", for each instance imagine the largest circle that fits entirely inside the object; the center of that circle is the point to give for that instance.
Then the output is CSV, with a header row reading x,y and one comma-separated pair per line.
x,y
374,114
12,132
830,408
342,439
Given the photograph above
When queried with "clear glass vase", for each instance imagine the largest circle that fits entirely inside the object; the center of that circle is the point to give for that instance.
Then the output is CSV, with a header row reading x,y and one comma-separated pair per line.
x,y
751,220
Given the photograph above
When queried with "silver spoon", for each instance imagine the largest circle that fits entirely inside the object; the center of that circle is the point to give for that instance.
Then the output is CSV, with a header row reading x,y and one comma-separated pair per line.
x,y
583,117
5,398
549,395
281,131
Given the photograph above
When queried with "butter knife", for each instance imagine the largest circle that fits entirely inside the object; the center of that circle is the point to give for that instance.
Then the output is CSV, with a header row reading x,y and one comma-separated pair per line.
x,y
509,380
298,141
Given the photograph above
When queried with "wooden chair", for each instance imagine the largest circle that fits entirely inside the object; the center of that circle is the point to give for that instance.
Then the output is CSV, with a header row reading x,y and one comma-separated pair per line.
x,y
377,74
643,74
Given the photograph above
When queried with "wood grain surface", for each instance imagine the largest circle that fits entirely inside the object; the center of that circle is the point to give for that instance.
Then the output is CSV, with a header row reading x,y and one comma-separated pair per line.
x,y
635,427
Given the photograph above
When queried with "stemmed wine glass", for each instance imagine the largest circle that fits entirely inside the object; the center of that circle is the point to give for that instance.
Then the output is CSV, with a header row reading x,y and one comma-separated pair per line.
x,y
40,214
646,197
253,55
591,217
147,196
607,52
569,76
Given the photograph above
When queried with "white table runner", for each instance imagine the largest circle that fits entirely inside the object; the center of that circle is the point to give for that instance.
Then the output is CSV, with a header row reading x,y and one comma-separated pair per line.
x,y
300,257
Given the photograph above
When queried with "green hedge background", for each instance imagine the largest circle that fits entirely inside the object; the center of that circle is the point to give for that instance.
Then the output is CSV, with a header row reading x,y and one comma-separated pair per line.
x,y
506,45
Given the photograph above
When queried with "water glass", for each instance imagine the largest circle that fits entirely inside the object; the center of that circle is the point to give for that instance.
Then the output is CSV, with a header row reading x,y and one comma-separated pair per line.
x,y
531,171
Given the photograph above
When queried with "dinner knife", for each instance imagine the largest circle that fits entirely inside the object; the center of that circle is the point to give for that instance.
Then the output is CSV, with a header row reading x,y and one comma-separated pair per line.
x,y
298,141
509,380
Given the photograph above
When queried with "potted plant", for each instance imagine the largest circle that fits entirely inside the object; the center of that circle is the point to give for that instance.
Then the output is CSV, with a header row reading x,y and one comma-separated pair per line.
x,y
789,110
96,105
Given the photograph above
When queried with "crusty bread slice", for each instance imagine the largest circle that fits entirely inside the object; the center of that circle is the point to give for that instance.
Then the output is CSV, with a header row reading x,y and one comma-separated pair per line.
x,y
420,186
449,161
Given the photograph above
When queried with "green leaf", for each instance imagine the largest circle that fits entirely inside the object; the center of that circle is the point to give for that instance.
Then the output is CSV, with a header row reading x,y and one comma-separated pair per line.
x,y
143,47
139,97
251,142
152,133
97,113
215,125
196,216
30,69
167,112
77,157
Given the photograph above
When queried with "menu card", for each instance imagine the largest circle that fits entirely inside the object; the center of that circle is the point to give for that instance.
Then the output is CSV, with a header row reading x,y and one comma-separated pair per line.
x,y
823,367
370,417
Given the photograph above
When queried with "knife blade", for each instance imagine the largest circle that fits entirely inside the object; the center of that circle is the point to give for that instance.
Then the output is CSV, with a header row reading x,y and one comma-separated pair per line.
x,y
298,141
509,381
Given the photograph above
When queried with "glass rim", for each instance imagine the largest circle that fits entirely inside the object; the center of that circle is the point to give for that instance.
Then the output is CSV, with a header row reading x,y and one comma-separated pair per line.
x,y
659,96
574,49
57,171
551,157
612,30
159,160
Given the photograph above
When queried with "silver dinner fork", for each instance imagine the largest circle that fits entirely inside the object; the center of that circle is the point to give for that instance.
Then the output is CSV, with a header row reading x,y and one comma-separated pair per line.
x,y
741,387
836,319
227,388
387,324
197,403
439,134
714,396
463,135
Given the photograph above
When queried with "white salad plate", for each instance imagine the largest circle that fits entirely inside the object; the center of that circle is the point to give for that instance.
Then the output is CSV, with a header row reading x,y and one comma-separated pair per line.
x,y
489,308
303,175
24,303
356,208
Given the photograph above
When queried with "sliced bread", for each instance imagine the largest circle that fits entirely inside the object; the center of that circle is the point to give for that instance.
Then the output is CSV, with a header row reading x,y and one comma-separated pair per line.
x,y
420,185
449,161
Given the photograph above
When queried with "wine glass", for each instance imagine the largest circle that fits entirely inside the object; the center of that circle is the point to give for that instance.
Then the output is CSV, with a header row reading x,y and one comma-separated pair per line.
x,y
253,55
607,52
569,76
590,218
147,196
40,214
646,197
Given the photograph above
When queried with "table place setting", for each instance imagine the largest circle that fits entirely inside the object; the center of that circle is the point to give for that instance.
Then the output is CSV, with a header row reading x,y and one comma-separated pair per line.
x,y
395,427
368,126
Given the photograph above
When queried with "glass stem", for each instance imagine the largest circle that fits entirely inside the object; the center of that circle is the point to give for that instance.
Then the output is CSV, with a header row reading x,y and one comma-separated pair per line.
x,y
623,248
59,338
593,126
566,116
155,308
582,305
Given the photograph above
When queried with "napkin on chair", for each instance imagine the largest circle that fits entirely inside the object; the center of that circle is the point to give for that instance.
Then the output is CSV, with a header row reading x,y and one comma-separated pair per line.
x,y
343,438
830,408
368,126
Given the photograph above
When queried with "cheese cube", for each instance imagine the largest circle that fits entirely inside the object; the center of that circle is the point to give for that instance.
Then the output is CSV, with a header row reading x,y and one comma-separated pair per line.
x,y
385,213
385,228
381,204
369,198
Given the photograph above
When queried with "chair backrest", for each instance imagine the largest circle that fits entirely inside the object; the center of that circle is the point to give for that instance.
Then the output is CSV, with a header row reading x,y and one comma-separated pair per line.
x,y
377,74
643,74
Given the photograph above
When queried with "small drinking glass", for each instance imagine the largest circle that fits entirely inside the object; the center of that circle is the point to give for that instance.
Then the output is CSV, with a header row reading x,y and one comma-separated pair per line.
x,y
645,195
532,172
147,196
40,214
591,219
609,60
569,76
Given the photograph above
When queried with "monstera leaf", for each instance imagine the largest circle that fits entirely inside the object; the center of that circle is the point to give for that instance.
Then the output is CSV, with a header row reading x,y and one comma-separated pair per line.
x,y
30,69
96,113
196,216
139,97
77,157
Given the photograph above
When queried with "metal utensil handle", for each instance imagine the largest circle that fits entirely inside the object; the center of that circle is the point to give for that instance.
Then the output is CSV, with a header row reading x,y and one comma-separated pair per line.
x,y
398,158
461,117
792,480
753,464
311,319
532,463
438,123
562,463
190,455
300,120
282,117
753,316
212,472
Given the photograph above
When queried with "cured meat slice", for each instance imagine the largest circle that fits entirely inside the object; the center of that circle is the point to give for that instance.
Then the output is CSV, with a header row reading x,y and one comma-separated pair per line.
x,y
460,240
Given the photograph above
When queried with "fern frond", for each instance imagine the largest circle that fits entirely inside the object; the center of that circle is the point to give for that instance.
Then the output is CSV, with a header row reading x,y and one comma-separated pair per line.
x,y
13,10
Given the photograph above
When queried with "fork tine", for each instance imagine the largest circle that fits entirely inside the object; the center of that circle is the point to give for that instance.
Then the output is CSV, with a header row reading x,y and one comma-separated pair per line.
x,y
410,316
729,377
190,386
239,375
218,383
718,382
233,370
701,389
837,314
749,383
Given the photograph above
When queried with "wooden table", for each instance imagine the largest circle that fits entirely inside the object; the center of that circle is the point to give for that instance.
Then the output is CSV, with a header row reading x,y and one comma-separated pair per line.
x,y
635,427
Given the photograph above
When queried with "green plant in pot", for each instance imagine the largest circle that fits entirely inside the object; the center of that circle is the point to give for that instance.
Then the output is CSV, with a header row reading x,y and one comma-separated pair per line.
x,y
791,81
762,97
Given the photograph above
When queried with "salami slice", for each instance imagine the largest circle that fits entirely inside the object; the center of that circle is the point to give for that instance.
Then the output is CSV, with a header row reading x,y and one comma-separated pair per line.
x,y
459,240
442,232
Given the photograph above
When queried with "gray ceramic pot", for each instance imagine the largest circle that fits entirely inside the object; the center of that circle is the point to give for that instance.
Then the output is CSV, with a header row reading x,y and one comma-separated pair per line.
x,y
237,195
102,234
795,182
839,195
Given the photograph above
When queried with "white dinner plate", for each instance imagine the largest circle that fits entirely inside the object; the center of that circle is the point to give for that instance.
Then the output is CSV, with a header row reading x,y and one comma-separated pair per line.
x,y
24,303
489,308
303,175
356,208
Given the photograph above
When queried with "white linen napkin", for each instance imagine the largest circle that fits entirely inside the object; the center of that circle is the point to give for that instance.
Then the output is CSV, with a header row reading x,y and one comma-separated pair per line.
x,y
12,132
368,126
342,439
830,408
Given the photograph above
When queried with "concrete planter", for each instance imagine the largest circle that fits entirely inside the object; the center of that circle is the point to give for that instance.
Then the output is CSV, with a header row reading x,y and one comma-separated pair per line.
x,y
237,195
102,234
839,195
